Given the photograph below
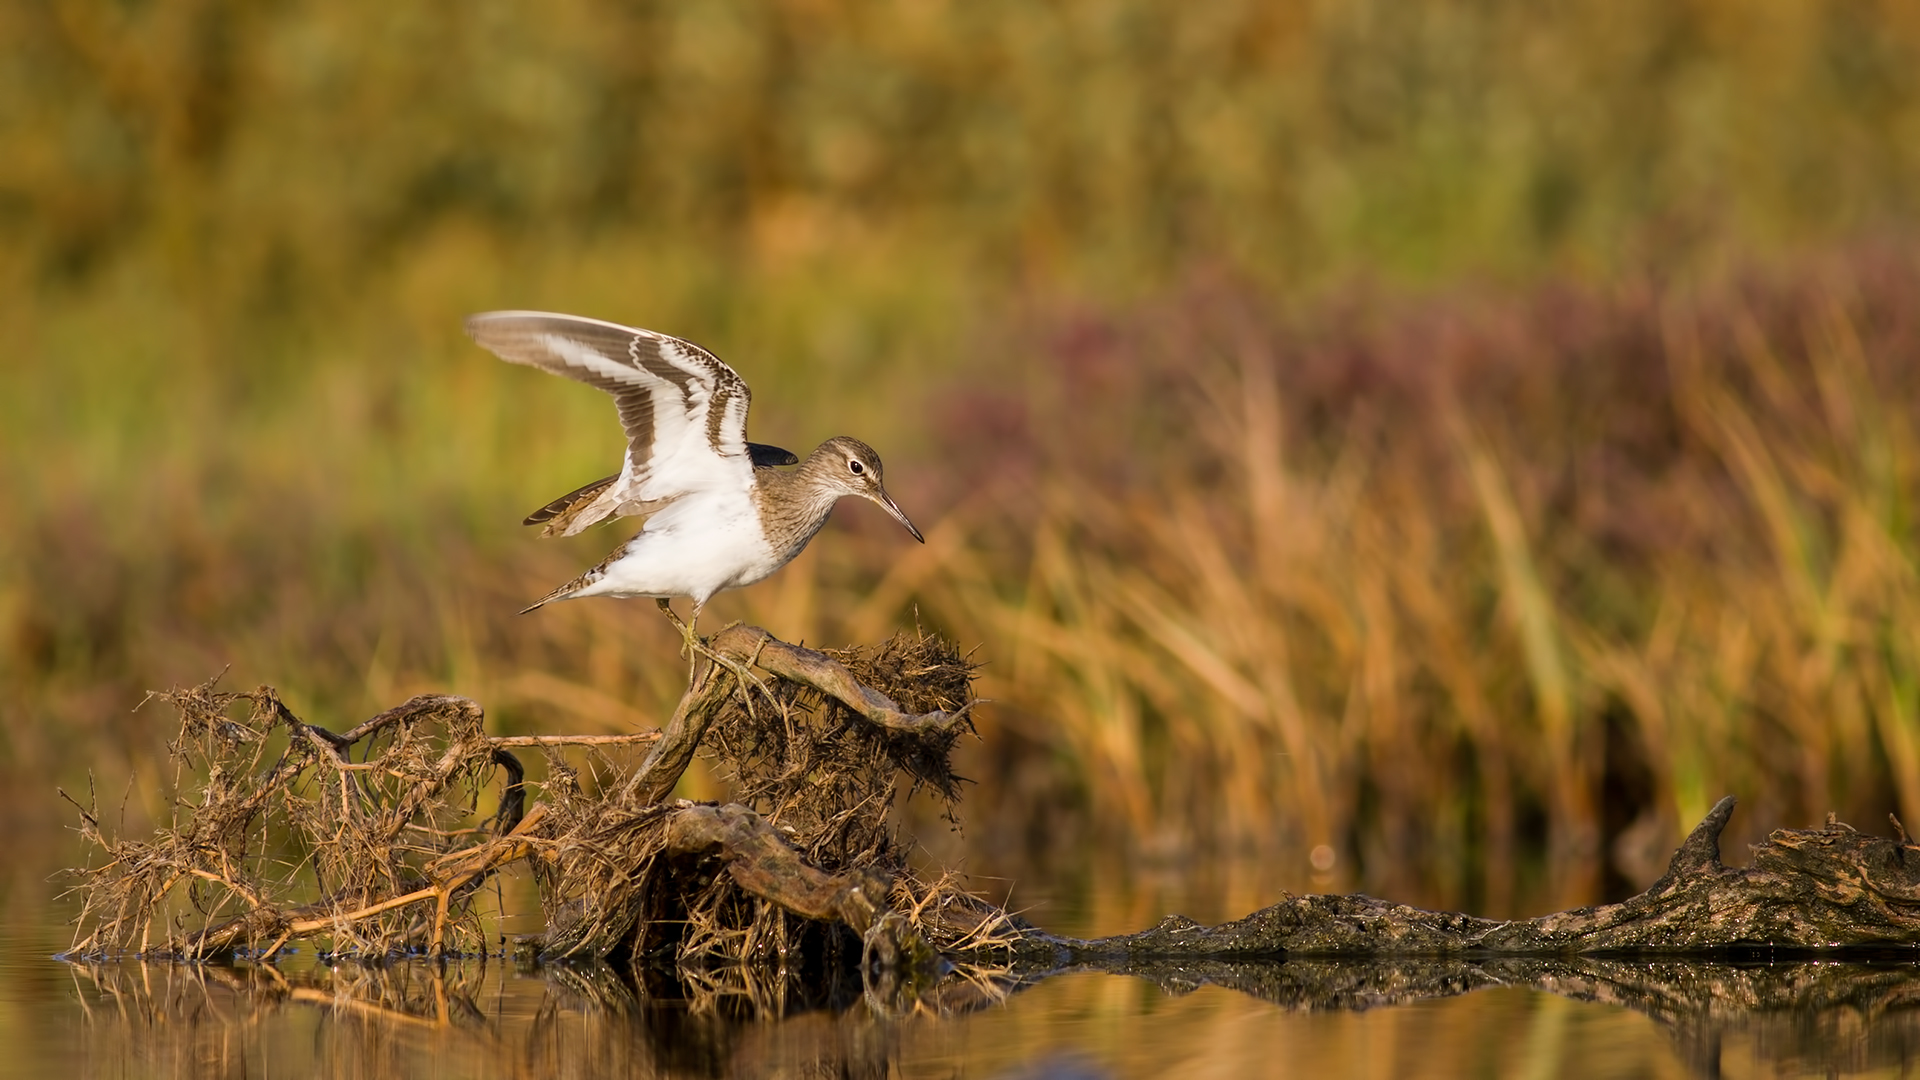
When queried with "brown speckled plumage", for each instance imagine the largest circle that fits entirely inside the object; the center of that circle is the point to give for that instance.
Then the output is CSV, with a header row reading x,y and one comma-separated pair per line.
x,y
794,505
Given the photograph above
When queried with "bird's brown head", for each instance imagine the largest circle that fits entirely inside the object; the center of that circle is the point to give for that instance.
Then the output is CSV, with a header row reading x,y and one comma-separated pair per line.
x,y
851,467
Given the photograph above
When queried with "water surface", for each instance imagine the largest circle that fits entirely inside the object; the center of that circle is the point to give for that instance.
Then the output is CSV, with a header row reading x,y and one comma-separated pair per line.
x,y
302,1018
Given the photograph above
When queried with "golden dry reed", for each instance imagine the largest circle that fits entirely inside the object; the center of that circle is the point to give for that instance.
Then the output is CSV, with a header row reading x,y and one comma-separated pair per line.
x,y
1561,566
1594,506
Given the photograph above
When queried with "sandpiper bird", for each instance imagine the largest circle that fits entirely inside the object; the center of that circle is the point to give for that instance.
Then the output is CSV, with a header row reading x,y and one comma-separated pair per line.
x,y
719,514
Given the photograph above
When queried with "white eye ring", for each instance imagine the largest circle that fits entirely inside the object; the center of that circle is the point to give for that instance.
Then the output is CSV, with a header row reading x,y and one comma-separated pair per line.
x,y
854,466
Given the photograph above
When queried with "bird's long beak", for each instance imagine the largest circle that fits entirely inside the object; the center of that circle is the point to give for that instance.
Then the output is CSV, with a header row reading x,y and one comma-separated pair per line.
x,y
886,503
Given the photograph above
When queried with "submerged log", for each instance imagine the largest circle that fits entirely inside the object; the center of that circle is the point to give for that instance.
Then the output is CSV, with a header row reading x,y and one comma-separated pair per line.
x,y
1826,888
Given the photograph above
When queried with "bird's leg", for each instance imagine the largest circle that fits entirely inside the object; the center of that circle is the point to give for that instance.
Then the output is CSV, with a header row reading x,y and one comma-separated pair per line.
x,y
697,647
687,635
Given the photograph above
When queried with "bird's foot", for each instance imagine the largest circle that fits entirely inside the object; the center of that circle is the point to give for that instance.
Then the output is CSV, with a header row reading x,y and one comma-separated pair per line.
x,y
746,679
697,647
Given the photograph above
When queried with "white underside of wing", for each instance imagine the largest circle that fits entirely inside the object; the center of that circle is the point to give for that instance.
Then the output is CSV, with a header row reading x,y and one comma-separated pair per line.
x,y
683,460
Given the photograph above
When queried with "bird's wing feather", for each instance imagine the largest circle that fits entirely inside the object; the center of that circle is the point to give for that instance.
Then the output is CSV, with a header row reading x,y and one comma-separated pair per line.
x,y
567,502
684,411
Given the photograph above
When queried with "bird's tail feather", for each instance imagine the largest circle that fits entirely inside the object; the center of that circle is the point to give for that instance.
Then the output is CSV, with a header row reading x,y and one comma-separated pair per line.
x,y
564,591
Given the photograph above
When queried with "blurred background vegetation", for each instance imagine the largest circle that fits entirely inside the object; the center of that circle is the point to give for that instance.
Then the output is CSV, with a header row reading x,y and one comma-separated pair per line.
x,y
1465,438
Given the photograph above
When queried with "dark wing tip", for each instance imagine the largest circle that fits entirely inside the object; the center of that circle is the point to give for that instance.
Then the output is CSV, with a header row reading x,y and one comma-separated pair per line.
x,y
766,457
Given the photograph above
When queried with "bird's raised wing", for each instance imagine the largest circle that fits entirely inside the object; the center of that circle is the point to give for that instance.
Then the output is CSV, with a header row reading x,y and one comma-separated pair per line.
x,y
684,411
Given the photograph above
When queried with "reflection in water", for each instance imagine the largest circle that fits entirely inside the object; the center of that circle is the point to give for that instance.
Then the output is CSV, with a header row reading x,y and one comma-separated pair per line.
x,y
1574,1017
1802,1016
474,1019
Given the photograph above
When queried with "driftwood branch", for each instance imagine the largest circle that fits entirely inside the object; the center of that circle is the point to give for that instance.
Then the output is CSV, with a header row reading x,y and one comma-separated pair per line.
x,y
679,740
822,672
761,860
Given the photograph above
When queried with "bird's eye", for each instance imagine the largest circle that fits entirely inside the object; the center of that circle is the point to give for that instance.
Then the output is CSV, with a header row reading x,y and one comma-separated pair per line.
x,y
854,466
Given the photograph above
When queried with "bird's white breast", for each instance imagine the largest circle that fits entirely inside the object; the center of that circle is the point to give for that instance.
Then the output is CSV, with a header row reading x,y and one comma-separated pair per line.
x,y
699,545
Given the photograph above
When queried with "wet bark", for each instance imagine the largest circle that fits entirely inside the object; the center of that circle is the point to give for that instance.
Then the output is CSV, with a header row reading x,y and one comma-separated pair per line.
x,y
1806,889
760,860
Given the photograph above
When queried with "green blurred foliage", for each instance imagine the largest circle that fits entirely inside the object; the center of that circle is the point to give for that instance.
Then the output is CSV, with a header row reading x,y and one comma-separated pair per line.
x,y
289,151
